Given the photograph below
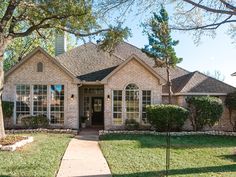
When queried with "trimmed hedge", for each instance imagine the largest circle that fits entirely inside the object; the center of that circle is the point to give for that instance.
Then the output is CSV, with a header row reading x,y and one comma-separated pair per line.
x,y
131,124
39,121
7,108
161,115
205,110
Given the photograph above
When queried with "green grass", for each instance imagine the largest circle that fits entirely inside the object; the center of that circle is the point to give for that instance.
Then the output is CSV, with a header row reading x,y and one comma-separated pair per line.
x,y
40,158
191,156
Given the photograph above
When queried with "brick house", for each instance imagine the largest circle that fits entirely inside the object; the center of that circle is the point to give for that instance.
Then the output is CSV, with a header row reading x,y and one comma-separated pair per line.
x,y
107,88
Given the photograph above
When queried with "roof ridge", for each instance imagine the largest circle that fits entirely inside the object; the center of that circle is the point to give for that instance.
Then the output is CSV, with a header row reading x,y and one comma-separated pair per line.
x,y
149,57
215,79
191,74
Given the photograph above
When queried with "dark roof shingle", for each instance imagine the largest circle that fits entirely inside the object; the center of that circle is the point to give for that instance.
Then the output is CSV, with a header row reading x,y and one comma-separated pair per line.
x,y
89,63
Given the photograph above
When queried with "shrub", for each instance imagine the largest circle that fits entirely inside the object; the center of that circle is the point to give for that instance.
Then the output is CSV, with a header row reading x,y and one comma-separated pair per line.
x,y
164,117
7,108
131,124
230,103
204,110
39,121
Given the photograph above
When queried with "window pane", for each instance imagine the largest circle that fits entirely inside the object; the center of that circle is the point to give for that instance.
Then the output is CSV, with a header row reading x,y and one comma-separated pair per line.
x,y
132,101
146,101
40,100
57,104
22,101
117,107
86,106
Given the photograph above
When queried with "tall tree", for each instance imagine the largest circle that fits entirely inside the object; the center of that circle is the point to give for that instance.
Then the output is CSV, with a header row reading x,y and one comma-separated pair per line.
x,y
161,49
161,45
21,18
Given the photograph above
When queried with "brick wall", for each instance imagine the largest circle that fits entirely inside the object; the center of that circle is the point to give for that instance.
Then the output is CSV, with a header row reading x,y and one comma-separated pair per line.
x,y
132,72
52,74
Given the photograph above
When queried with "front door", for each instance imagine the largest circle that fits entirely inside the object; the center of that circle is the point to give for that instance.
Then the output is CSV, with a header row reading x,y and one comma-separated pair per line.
x,y
97,111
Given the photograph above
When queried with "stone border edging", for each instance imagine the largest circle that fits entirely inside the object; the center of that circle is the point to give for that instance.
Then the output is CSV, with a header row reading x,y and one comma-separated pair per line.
x,y
42,130
18,144
215,133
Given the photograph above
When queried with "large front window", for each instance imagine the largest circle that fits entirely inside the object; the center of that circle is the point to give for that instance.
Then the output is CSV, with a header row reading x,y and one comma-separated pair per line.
x,y
46,100
132,101
22,100
133,106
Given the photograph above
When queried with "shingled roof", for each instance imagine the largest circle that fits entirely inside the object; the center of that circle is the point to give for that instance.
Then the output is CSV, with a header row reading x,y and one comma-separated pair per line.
x,y
89,63
197,82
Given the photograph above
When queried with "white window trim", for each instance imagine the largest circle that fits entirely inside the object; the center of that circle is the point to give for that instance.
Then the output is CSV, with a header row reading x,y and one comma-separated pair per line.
x,y
112,105
32,102
125,112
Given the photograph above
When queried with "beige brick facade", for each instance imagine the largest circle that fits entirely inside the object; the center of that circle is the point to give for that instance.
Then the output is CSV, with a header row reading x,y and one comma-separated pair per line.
x,y
133,72
52,74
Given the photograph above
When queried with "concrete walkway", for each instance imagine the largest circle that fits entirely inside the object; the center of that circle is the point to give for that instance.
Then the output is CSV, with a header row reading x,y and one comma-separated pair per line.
x,y
83,157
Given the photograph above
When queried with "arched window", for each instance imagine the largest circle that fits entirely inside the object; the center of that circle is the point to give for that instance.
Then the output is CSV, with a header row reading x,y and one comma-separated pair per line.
x,y
132,101
39,67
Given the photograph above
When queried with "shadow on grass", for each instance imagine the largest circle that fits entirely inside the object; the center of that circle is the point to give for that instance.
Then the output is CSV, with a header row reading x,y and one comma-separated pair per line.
x,y
177,142
185,171
229,157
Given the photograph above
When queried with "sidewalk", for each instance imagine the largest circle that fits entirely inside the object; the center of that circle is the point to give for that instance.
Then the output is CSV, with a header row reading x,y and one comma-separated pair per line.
x,y
83,157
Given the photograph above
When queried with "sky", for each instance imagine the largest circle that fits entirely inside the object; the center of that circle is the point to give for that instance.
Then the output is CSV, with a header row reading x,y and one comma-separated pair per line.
x,y
211,54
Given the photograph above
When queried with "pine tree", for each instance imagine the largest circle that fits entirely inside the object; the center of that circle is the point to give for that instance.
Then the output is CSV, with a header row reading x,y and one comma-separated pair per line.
x,y
161,45
161,49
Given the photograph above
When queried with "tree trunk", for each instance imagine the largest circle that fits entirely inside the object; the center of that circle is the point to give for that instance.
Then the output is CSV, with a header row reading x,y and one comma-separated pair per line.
x,y
169,85
3,44
2,130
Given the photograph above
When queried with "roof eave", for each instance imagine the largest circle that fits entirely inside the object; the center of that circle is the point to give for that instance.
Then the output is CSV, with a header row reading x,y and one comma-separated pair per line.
x,y
162,81
28,56
196,94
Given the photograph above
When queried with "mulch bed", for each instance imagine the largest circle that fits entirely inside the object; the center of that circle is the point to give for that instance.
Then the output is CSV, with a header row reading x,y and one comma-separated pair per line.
x,y
11,139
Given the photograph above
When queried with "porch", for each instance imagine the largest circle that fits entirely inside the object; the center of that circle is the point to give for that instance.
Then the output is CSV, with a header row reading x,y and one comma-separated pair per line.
x,y
91,105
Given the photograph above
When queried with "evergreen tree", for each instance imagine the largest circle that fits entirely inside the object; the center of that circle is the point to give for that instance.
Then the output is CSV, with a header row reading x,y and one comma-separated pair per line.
x,y
161,49
161,45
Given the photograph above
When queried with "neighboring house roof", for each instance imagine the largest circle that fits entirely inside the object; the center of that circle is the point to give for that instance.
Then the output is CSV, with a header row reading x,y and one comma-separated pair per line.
x,y
32,53
234,74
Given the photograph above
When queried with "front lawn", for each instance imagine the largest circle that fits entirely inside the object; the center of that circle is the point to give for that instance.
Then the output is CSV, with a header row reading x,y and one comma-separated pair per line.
x,y
38,159
191,156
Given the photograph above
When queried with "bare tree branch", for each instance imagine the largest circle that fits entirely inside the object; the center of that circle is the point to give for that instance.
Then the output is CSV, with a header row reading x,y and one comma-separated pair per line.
x,y
228,5
79,34
209,9
206,27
